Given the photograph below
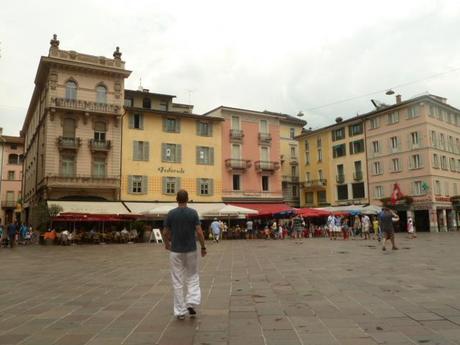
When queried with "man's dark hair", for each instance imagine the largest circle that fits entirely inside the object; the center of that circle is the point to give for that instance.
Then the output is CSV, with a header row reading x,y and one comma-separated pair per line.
x,y
182,196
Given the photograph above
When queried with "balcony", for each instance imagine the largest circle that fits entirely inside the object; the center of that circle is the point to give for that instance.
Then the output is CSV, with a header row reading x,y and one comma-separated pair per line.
x,y
100,145
85,106
358,175
315,184
236,135
265,138
293,160
266,166
237,164
9,204
340,178
69,143
83,182
290,179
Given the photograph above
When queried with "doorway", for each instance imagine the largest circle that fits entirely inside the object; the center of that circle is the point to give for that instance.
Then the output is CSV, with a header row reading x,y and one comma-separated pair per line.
x,y
402,224
422,220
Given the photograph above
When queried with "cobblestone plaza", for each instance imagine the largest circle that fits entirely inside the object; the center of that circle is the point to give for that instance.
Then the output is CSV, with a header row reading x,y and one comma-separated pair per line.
x,y
315,291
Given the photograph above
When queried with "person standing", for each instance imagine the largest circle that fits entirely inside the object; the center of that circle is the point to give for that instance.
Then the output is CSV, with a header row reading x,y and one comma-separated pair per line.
x,y
181,228
366,224
376,228
330,225
411,228
387,217
250,229
356,226
216,229
12,230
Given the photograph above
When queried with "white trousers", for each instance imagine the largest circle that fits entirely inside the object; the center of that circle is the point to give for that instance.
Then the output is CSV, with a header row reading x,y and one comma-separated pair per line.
x,y
184,271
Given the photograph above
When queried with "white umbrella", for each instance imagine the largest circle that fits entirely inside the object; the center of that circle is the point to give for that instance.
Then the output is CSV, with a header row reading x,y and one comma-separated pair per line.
x,y
160,210
231,210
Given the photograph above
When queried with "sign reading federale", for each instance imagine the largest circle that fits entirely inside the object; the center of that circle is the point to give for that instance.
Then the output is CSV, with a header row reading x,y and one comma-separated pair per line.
x,y
171,170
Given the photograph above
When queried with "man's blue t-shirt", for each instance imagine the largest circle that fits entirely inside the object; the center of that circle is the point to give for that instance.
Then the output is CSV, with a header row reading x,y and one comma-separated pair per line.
x,y
182,222
215,227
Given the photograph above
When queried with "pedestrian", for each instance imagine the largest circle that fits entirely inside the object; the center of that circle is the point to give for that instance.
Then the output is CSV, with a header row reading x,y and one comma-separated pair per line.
x,y
330,225
387,217
216,229
337,227
366,224
297,227
2,236
250,229
376,228
12,230
181,228
345,229
357,226
411,228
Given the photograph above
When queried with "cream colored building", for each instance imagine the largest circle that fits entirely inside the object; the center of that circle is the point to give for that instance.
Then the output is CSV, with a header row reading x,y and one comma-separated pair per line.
x,y
166,148
333,164
72,129
416,144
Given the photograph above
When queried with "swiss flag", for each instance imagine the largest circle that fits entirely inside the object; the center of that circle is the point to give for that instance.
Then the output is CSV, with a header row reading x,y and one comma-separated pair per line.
x,y
396,194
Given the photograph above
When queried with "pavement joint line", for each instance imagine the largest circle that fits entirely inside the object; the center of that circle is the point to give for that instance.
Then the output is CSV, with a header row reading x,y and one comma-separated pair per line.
x,y
164,330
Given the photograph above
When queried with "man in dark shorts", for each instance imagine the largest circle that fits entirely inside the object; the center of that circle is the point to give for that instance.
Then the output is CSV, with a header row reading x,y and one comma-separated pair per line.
x,y
181,227
386,219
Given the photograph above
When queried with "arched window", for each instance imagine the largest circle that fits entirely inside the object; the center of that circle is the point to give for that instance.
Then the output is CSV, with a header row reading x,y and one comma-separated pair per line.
x,y
71,90
101,94
68,128
13,159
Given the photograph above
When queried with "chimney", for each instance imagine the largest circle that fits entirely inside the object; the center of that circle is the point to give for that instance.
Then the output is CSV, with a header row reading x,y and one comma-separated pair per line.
x,y
398,99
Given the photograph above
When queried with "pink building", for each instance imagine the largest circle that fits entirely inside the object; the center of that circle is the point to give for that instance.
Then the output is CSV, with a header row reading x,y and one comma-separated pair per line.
x,y
250,155
11,177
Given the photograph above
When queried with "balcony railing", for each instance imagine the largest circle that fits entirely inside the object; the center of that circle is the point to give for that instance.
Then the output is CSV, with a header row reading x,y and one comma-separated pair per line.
x,y
69,143
265,138
291,179
237,164
9,204
266,166
100,145
315,184
340,178
236,134
87,106
83,181
358,175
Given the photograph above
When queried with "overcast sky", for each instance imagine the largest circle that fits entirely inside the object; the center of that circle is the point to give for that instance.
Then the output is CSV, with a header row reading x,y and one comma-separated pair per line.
x,y
285,56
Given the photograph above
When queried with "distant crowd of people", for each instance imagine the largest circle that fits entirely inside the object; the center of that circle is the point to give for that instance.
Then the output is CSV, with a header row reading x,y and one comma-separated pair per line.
x,y
15,233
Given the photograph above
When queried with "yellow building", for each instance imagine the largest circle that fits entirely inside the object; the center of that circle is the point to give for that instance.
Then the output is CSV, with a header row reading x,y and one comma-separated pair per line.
x,y
290,127
333,165
166,148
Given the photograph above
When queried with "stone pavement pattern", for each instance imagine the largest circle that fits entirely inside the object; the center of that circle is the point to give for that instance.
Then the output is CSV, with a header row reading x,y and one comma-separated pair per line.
x,y
316,291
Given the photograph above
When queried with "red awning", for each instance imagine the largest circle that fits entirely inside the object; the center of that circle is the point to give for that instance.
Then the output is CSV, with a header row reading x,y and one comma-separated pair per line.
x,y
311,212
85,217
265,210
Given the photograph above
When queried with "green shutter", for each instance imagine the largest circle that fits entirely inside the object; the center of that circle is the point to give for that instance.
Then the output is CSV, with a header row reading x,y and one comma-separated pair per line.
x,y
130,184
211,186
177,184
146,151
177,126
178,153
131,121
198,160
141,121
211,155
145,184
163,153
163,182
210,125
198,181
135,151
164,124
198,128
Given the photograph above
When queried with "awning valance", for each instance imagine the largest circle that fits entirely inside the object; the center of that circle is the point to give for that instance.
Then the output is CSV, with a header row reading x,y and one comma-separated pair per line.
x,y
266,210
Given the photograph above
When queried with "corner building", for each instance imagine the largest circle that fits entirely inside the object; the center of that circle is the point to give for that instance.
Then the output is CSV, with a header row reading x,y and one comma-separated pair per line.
x,y
72,129
166,147
416,144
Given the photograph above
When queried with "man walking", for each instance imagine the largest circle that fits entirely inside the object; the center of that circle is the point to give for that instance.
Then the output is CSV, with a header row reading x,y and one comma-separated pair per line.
x,y
216,229
387,217
12,229
181,227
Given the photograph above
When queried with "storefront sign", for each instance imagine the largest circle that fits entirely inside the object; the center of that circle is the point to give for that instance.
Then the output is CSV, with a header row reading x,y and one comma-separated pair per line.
x,y
442,198
164,170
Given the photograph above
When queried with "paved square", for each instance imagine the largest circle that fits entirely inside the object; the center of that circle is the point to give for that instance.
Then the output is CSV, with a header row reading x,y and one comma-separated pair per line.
x,y
315,292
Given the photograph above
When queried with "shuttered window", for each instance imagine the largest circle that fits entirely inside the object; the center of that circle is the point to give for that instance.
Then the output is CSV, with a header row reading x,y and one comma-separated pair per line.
x,y
136,121
68,128
204,129
205,155
140,150
171,153
171,125
205,186
171,185
137,184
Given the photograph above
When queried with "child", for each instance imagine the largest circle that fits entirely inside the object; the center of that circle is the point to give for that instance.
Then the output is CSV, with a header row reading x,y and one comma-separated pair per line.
x,y
411,228
375,227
